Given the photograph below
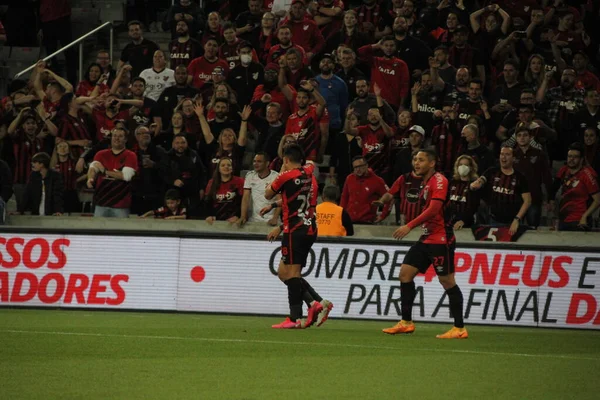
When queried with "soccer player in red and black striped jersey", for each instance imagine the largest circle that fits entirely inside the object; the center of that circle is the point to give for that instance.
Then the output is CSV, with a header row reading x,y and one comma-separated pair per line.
x,y
374,137
303,124
434,248
114,168
298,189
506,192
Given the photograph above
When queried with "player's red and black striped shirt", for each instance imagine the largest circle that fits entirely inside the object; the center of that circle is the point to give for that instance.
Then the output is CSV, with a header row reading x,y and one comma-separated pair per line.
x,y
463,202
503,193
305,129
407,188
24,148
374,148
164,212
114,193
68,173
228,199
297,188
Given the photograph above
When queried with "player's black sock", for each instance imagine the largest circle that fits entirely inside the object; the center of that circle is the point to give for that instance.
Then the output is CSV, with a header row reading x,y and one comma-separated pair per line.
x,y
407,297
456,305
309,294
294,286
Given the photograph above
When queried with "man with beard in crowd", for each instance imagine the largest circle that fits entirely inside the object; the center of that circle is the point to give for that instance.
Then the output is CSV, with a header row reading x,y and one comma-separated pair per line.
x,y
335,92
445,70
425,100
140,52
245,78
462,53
412,51
271,87
284,36
389,72
200,69
147,183
562,104
295,70
184,48
473,104
365,101
183,170
305,31
173,95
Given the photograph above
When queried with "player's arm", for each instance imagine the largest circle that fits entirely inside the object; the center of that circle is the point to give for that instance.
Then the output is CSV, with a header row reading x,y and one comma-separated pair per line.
x,y
245,206
595,204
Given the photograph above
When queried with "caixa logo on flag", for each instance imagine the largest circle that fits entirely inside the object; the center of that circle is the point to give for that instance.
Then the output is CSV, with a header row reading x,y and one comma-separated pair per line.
x,y
33,270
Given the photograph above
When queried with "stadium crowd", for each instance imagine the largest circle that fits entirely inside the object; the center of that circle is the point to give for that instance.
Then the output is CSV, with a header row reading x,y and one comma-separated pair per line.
x,y
506,92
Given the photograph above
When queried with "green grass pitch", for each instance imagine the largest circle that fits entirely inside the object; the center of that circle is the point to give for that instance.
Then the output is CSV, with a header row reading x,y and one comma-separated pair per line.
x,y
50,354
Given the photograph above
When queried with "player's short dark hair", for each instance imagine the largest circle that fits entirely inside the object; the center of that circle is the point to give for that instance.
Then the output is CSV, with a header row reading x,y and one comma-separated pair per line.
x,y
266,155
172,194
331,192
431,153
294,153
42,158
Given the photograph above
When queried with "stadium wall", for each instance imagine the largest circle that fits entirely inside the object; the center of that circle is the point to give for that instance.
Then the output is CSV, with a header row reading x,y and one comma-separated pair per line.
x,y
226,273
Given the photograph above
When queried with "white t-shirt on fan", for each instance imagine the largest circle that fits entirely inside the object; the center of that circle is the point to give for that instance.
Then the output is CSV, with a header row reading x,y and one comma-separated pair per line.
x,y
257,188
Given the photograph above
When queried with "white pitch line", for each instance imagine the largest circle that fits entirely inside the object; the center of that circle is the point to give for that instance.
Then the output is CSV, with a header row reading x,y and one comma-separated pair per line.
x,y
359,346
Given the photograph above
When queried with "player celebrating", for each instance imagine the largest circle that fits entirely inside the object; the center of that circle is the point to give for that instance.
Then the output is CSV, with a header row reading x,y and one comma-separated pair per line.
x,y
435,247
298,189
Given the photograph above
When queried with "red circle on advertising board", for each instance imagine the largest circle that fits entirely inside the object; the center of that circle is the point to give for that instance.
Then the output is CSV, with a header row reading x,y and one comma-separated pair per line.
x,y
198,274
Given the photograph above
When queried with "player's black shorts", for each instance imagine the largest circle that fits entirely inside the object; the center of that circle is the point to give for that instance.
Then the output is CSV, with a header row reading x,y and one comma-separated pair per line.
x,y
423,255
296,246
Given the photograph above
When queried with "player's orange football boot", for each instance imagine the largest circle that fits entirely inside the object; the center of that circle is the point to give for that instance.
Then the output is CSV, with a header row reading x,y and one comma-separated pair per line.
x,y
324,314
313,312
401,327
454,333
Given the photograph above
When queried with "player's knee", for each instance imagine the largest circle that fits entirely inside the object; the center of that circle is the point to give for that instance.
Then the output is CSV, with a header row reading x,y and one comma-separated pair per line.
x,y
407,273
447,281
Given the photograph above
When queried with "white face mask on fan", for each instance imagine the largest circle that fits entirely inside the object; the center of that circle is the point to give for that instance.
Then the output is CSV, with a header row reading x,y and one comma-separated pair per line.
x,y
246,59
463,170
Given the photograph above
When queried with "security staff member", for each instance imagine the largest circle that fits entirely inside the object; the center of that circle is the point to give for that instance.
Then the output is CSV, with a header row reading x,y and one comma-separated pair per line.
x,y
333,220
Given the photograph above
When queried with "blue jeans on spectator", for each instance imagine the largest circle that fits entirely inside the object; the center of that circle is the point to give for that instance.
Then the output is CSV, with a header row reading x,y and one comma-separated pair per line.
x,y
2,211
111,212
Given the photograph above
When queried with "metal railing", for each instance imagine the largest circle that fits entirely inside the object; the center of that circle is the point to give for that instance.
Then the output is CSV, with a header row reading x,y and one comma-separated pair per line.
x,y
73,43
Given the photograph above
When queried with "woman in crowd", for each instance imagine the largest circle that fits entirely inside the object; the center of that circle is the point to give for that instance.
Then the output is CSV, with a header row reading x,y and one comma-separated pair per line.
x,y
227,144
463,202
64,163
534,73
165,138
346,147
350,34
592,149
224,193
92,80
